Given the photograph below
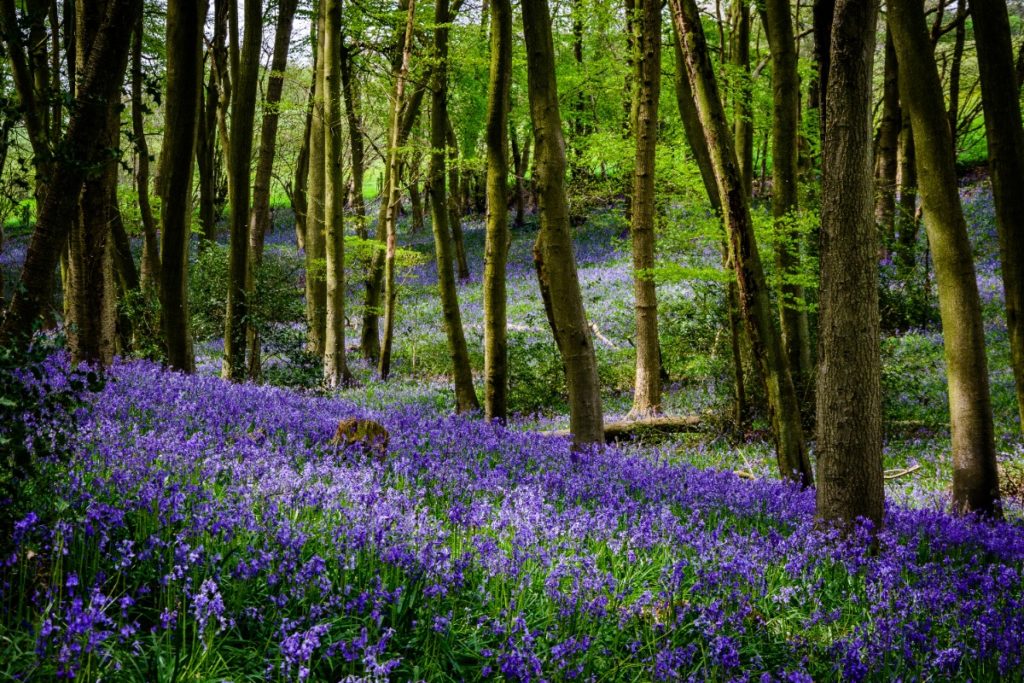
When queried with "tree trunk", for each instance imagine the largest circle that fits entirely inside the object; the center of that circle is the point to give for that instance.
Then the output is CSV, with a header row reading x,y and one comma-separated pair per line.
x,y
355,136
259,219
519,170
755,304
244,72
185,23
206,143
150,276
299,198
646,92
906,213
960,35
742,92
554,243
1006,161
316,244
454,204
849,397
796,336
498,237
387,224
90,288
335,367
99,85
975,478
886,161
440,129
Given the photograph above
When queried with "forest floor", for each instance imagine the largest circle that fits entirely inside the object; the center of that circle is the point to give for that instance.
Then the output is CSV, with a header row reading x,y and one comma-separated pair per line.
x,y
200,530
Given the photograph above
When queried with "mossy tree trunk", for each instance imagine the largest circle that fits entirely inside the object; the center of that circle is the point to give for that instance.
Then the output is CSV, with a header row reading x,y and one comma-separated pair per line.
x,y
151,243
755,303
557,265
1006,161
316,247
498,237
975,477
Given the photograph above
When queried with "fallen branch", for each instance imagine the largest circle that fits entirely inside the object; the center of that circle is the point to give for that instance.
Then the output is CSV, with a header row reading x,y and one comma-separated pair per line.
x,y
606,340
896,474
622,429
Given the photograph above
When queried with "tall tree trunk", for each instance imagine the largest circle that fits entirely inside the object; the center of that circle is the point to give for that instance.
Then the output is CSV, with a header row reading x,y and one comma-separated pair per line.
x,y
886,157
743,110
1006,161
557,266
498,237
647,70
906,213
335,367
316,245
520,184
299,198
245,65
185,23
151,245
440,130
765,340
955,62
99,85
90,288
259,219
387,223
355,137
849,397
454,204
975,478
796,336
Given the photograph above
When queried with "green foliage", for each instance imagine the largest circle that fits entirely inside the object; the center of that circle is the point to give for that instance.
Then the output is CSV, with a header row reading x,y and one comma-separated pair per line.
x,y
142,308
536,378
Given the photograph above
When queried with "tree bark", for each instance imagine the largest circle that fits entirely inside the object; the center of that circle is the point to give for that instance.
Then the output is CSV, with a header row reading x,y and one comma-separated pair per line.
x,y
150,275
498,238
244,72
185,21
387,224
440,131
355,136
849,397
455,203
886,158
259,219
206,143
975,477
316,244
755,304
1006,162
906,214
554,243
335,366
646,93
742,91
100,83
796,336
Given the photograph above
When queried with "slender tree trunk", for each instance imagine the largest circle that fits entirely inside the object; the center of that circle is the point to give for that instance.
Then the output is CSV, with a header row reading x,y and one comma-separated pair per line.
x,y
440,130
99,84
849,398
886,161
1005,136
185,23
647,386
796,335
557,265
743,110
906,213
335,366
244,72
259,219
975,478
955,62
520,185
455,192
755,304
498,237
355,137
316,244
206,143
299,198
389,208
151,244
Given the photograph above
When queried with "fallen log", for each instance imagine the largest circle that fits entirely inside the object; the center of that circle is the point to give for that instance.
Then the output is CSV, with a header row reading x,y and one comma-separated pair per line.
x,y
625,429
